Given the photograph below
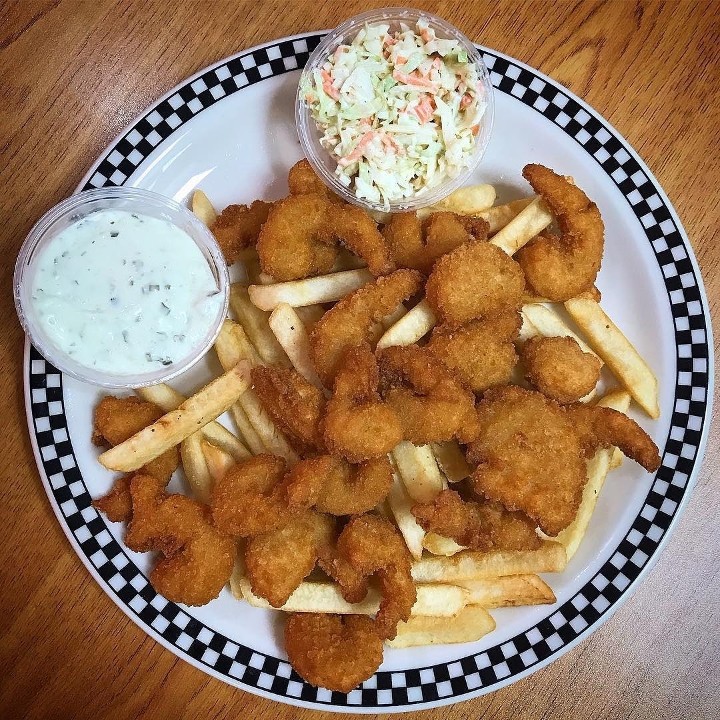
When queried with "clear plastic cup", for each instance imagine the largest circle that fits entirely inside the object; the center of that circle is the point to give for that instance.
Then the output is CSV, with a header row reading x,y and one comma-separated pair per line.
x,y
322,161
81,205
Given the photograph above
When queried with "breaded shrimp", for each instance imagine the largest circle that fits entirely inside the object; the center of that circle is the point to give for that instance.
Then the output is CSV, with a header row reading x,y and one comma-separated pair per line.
x,y
559,267
238,227
350,322
303,180
473,281
358,425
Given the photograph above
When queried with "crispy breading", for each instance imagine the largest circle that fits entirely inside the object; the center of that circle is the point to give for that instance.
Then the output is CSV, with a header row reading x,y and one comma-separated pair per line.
x,y
336,652
246,500
277,562
475,280
432,404
558,368
303,180
350,322
559,267
358,424
479,525
482,352
294,404
117,504
238,227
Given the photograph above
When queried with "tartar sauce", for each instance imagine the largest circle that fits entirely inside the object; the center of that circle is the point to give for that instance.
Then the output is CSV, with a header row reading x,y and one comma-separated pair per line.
x,y
124,293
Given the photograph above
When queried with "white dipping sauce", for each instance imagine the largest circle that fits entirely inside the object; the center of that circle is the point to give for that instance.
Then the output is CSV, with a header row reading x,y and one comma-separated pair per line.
x,y
124,293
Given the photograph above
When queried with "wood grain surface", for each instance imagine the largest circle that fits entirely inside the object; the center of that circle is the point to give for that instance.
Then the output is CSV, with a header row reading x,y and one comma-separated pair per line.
x,y
73,74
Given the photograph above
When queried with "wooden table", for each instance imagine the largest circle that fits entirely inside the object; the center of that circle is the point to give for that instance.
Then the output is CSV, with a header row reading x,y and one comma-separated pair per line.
x,y
75,73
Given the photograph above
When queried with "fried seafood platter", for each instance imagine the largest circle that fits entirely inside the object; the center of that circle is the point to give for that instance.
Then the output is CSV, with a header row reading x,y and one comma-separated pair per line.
x,y
424,408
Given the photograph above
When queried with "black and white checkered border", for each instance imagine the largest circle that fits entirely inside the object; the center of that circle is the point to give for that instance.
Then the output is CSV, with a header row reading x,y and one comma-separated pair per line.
x,y
254,670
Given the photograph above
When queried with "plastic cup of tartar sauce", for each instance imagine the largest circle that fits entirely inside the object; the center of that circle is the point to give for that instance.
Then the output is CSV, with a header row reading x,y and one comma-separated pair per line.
x,y
121,287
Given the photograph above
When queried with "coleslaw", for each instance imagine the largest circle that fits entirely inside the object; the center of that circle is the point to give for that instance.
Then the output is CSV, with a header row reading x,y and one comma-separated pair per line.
x,y
398,111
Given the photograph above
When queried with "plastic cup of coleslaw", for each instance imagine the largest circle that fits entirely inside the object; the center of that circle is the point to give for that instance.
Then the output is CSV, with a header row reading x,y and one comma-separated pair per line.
x,y
394,132
125,271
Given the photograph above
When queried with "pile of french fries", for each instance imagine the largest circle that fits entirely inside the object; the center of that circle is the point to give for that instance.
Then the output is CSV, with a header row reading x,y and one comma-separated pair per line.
x,y
455,587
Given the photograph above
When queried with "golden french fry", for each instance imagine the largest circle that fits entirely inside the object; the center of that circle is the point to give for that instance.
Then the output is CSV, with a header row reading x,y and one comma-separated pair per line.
x,y
498,216
325,597
411,327
202,208
195,467
237,576
419,471
597,469
173,427
508,591
469,564
246,429
439,545
523,227
255,323
291,334
548,323
470,200
231,347
322,289
451,460
389,320
618,353
470,624
167,399
400,505
218,462
310,314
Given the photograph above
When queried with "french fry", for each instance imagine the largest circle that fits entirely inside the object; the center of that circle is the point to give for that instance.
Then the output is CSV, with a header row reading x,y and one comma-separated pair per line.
x,y
527,329
195,467
310,314
291,334
218,462
237,576
173,427
597,469
451,460
439,545
230,348
419,471
167,399
389,320
202,208
472,565
508,591
618,353
411,327
233,342
400,505
470,200
548,323
246,429
255,324
322,289
469,625
498,216
523,227
325,597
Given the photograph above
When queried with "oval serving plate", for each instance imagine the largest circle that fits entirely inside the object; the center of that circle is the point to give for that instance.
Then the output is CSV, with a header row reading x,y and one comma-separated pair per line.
x,y
230,130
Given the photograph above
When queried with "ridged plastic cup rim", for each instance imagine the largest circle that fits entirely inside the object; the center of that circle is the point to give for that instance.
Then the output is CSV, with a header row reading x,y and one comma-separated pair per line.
x,y
308,133
41,235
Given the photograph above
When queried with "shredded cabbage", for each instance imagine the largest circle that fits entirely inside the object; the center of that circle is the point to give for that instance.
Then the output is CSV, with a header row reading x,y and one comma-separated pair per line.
x,y
399,112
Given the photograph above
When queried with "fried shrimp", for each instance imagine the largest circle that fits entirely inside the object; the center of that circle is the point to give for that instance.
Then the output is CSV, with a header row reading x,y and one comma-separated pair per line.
x,y
560,267
475,280
238,227
558,368
374,546
417,245
336,652
277,562
198,559
246,501
482,352
303,180
115,420
358,424
528,456
429,400
350,322
331,485
295,404
479,525
604,427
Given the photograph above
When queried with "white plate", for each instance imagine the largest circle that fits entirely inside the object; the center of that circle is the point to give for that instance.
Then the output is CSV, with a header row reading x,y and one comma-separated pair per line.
x,y
230,130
